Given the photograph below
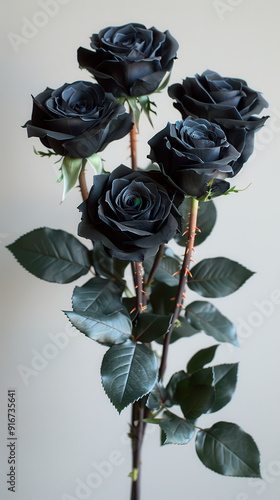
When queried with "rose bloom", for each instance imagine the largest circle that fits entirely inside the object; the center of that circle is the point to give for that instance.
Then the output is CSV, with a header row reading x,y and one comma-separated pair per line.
x,y
196,155
78,119
129,60
130,213
228,102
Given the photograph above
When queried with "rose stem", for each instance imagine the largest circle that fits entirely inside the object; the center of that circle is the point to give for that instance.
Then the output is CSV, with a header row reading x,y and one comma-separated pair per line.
x,y
82,182
156,263
183,276
133,143
137,427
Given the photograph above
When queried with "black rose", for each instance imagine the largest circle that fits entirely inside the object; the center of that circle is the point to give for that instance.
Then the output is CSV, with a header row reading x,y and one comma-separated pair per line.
x,y
78,119
129,60
229,102
130,213
196,155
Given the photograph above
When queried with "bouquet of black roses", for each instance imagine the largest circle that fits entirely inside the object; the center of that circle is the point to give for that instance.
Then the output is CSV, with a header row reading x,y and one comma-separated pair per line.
x,y
130,215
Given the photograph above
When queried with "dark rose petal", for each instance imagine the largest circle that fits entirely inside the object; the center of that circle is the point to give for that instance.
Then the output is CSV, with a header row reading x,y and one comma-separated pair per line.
x,y
78,119
129,60
130,213
228,102
195,153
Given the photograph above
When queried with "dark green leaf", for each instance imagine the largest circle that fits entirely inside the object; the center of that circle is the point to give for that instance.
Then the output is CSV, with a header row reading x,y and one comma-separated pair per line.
x,y
157,397
150,327
225,379
52,255
204,316
129,371
225,448
217,277
162,297
106,329
172,386
108,266
193,399
99,312
206,219
201,358
204,377
176,429
98,296
169,265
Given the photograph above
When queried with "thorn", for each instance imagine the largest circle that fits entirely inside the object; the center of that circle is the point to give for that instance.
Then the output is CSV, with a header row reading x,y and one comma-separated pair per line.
x,y
177,272
184,297
173,298
179,305
197,228
192,260
136,286
188,272
187,251
132,310
193,249
143,291
185,233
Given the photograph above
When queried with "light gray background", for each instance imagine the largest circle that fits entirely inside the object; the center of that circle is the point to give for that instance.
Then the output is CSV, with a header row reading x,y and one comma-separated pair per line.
x,y
65,421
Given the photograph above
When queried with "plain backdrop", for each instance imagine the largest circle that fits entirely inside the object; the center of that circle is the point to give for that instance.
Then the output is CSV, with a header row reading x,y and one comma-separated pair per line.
x,y
69,435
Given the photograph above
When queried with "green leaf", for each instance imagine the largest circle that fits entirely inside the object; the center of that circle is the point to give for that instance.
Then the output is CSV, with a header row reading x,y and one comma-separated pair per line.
x,y
217,277
96,162
157,397
162,297
105,329
225,448
172,386
194,399
52,255
201,358
70,170
43,153
176,429
129,371
108,266
99,312
98,296
225,379
203,377
204,316
146,106
169,265
150,327
206,219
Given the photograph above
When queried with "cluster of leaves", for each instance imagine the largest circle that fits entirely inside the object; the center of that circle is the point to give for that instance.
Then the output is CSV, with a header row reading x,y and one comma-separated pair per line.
x,y
103,311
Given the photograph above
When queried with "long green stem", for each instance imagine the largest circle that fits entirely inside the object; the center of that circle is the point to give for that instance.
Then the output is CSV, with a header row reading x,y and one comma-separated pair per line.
x,y
183,276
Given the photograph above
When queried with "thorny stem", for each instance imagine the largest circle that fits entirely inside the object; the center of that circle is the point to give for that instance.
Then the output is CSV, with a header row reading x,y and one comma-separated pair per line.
x,y
156,263
82,183
137,428
183,276
133,146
